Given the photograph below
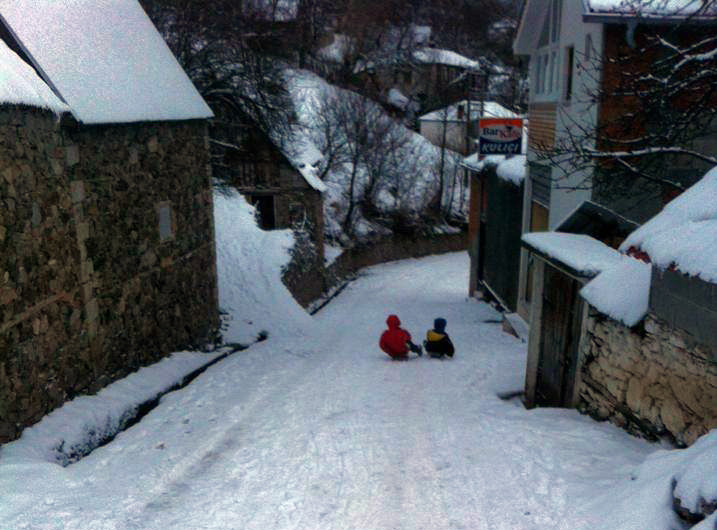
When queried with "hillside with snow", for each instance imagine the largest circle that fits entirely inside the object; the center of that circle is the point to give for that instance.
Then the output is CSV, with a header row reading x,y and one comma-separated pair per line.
x,y
402,182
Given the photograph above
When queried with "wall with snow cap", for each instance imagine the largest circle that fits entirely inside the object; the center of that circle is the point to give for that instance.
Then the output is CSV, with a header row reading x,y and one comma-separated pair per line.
x,y
106,255
657,381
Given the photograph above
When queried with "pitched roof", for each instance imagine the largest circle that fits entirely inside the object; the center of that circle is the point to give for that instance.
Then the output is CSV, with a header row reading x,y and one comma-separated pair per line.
x,y
652,8
491,109
20,84
104,58
612,11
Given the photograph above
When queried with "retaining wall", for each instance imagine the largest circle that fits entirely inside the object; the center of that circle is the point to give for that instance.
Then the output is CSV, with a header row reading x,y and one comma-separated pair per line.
x,y
653,382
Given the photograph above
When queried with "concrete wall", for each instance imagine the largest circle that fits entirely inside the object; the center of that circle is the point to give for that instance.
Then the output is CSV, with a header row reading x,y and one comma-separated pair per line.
x,y
455,139
310,285
107,257
653,382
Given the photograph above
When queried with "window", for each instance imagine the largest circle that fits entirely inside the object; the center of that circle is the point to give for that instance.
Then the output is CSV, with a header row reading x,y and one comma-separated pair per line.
x,y
569,60
166,222
588,47
556,14
547,70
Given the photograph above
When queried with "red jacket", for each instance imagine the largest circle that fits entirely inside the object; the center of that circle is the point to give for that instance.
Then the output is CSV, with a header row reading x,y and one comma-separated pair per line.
x,y
393,340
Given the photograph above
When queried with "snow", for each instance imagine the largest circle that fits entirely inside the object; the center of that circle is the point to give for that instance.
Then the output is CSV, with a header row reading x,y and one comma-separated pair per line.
x,y
321,430
582,253
683,233
316,428
331,254
651,7
641,502
249,265
20,84
446,57
106,60
397,98
513,169
409,194
696,472
622,291
84,421
305,157
337,50
491,109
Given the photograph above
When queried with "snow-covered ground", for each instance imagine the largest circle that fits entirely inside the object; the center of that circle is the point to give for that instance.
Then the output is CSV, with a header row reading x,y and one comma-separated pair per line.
x,y
315,428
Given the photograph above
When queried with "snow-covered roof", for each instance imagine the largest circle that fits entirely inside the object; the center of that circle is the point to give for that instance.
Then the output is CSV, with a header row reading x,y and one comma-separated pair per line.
x,y
511,169
20,84
684,233
622,291
446,57
650,8
583,254
305,157
491,109
105,59
611,11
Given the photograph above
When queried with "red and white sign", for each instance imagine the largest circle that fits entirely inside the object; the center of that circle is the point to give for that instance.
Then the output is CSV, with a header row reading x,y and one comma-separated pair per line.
x,y
500,136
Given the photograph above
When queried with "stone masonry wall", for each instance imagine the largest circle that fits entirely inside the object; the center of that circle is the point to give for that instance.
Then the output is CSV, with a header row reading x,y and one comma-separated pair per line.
x,y
106,255
653,383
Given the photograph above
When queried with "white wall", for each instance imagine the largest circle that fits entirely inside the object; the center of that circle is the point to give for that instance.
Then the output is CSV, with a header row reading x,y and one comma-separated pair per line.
x,y
578,112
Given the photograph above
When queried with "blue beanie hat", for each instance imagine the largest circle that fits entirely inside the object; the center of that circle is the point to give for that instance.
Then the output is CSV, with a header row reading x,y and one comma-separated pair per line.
x,y
439,324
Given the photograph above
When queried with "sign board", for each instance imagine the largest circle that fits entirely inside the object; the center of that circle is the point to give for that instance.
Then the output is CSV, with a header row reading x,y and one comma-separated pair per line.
x,y
500,136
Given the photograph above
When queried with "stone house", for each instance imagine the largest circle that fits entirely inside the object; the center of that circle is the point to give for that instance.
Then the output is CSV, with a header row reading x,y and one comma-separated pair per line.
x,y
630,336
572,48
107,259
650,365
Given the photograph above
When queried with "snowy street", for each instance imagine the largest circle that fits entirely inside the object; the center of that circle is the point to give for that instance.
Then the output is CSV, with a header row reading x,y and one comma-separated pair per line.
x,y
317,428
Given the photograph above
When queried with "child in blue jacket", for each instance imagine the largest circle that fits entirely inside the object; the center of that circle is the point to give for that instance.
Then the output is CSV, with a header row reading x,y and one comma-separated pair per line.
x,y
437,342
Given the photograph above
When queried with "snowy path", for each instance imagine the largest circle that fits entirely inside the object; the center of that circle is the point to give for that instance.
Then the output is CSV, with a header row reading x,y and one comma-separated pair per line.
x,y
321,430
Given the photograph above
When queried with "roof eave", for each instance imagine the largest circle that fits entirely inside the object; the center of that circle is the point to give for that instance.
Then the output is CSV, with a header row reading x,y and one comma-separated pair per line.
x,y
641,18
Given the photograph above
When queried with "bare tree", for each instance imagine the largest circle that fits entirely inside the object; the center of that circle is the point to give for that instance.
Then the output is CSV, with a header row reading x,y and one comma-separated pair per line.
x,y
658,109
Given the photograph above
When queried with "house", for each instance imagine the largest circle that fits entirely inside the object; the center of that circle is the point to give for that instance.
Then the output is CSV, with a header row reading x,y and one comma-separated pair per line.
x,y
648,357
495,225
456,126
429,77
573,47
280,178
107,258
630,335
563,262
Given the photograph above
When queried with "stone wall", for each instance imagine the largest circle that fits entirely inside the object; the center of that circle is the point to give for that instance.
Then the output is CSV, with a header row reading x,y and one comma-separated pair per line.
x,y
107,258
653,382
309,286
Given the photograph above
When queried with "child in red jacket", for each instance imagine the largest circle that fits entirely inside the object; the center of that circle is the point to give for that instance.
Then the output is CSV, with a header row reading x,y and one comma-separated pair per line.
x,y
396,341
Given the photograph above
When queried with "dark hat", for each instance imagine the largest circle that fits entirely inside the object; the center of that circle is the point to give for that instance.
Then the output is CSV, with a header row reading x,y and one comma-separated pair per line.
x,y
439,324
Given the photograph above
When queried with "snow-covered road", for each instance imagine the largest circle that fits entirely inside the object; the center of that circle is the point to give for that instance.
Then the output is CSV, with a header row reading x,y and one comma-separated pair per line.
x,y
320,430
